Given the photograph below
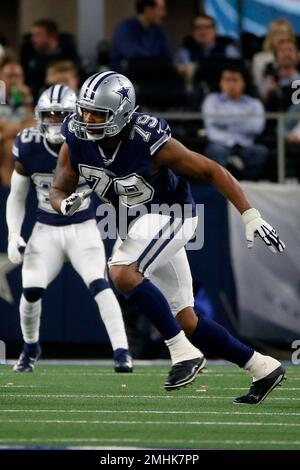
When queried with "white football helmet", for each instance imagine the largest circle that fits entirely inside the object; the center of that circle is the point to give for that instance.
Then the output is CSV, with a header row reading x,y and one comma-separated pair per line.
x,y
54,105
110,93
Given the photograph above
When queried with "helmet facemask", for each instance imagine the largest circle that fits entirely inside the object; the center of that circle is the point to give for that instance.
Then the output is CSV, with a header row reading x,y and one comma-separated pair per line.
x,y
96,131
50,124
54,105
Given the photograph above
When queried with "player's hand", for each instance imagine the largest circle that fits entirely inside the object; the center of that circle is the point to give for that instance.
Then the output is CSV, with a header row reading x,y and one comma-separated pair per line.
x,y
72,203
15,250
257,227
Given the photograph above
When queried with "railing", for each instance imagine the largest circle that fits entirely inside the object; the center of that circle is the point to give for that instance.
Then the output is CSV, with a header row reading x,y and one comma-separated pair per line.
x,y
279,117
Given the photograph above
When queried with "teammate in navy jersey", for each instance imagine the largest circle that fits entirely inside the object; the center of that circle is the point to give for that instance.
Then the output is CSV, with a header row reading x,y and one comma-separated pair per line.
x,y
130,160
56,238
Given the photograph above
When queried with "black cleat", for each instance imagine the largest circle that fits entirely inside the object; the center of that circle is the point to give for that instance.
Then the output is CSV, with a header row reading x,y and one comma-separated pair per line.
x,y
184,373
260,389
28,358
123,361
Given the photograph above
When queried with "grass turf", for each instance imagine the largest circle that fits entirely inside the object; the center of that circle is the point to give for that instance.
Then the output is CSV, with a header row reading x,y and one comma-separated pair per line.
x,y
92,406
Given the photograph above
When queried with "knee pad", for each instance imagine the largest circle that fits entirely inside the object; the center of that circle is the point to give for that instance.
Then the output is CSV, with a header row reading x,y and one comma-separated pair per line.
x,y
33,294
98,286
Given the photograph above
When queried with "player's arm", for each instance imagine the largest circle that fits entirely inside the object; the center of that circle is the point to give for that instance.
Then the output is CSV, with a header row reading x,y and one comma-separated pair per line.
x,y
65,179
183,161
15,212
63,196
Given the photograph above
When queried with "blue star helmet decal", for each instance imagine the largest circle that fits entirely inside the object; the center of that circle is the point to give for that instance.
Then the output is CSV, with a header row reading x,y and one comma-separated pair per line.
x,y
123,92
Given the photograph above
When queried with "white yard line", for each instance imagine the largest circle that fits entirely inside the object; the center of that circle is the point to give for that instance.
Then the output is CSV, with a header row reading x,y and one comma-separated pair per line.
x,y
139,362
288,389
150,397
155,412
111,374
202,376
151,423
147,440
109,362
22,386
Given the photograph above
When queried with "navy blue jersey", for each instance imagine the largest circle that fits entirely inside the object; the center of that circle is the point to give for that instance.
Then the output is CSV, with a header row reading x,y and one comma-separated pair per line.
x,y
39,161
124,176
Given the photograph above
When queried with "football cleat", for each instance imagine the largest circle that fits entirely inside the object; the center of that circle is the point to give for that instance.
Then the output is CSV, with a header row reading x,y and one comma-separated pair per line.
x,y
123,361
184,373
260,389
28,358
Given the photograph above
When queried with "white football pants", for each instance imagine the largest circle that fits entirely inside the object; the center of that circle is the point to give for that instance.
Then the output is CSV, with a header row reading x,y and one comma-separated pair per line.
x,y
156,242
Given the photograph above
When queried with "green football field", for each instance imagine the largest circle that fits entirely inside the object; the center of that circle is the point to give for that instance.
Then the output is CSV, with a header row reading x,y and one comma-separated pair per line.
x,y
61,406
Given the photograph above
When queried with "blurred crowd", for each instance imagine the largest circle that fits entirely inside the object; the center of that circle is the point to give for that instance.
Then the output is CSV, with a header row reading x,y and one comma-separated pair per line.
x,y
230,83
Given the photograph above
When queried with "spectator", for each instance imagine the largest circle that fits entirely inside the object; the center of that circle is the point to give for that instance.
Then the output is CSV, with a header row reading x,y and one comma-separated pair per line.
x,y
15,115
231,140
103,56
276,89
292,124
203,44
64,73
46,45
141,35
7,52
279,30
292,134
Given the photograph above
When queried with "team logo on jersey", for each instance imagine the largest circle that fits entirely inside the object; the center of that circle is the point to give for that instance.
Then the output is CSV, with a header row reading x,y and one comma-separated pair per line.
x,y
124,93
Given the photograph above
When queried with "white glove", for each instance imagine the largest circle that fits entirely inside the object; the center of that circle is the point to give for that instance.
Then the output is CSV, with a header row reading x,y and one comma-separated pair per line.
x,y
16,247
70,205
257,227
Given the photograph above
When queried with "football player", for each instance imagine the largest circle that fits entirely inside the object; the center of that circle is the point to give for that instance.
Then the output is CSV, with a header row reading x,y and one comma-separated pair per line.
x,y
131,160
56,238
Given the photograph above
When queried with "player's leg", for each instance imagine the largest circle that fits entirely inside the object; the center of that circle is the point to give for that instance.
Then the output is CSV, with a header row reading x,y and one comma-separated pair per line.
x,y
215,340
175,281
42,262
86,252
156,237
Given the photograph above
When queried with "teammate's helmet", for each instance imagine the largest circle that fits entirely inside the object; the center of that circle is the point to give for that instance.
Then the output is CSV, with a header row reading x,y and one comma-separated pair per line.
x,y
57,102
110,93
